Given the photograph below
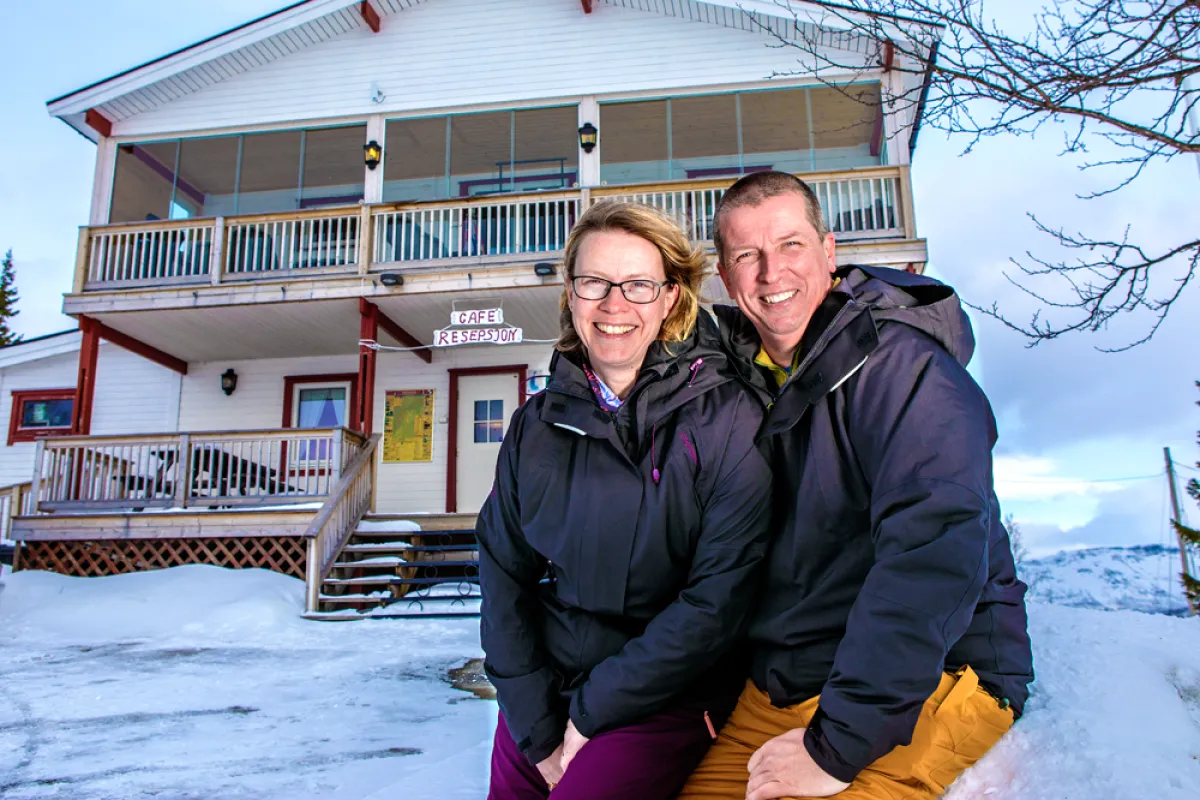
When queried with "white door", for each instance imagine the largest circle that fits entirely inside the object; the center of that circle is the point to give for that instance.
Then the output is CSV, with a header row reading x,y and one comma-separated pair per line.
x,y
485,404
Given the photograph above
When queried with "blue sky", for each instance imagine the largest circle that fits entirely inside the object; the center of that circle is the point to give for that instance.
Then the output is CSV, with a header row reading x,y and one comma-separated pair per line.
x,y
1071,419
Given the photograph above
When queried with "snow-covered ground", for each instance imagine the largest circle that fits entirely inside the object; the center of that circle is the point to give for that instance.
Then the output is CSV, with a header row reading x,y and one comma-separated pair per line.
x,y
1142,578
204,682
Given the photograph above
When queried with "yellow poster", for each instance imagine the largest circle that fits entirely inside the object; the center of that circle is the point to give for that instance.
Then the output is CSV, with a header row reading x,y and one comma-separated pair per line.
x,y
408,426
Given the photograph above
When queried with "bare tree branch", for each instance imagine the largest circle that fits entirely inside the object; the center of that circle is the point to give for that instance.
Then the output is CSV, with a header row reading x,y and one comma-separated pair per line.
x,y
1125,73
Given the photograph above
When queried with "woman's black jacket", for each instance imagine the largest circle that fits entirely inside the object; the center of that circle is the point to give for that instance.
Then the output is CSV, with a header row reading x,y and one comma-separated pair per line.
x,y
619,551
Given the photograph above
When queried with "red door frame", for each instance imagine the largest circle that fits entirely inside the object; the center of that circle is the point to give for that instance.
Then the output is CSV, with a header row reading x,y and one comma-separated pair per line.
x,y
452,432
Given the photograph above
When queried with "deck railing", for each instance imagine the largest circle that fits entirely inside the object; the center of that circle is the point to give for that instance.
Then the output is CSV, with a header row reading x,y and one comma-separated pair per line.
x,y
335,523
189,470
15,500
868,203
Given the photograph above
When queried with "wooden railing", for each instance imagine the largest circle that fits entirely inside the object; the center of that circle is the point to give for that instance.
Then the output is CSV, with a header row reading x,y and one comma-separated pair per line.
x,y
862,203
338,518
15,501
188,470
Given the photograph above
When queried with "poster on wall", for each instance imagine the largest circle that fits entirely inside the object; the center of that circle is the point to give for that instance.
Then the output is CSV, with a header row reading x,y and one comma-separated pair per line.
x,y
408,426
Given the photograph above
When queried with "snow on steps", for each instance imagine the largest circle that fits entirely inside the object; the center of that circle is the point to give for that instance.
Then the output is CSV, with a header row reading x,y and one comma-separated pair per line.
x,y
415,565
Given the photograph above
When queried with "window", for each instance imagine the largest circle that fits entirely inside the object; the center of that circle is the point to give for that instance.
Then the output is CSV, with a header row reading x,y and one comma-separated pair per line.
x,y
715,136
322,405
253,173
463,155
489,421
40,412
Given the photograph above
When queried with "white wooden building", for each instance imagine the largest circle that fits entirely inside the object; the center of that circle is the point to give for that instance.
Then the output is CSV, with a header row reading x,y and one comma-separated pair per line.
x,y
241,231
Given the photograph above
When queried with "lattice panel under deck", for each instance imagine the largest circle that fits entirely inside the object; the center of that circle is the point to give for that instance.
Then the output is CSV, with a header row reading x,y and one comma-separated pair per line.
x,y
90,559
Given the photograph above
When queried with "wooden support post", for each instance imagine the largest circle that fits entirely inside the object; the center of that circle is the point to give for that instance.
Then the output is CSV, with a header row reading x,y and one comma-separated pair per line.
x,y
216,259
1177,518
366,239
312,577
39,458
183,472
906,203
82,260
85,382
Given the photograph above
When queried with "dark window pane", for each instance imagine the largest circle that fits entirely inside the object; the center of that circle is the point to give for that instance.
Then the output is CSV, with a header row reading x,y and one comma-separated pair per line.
x,y
546,148
479,150
633,142
497,431
481,432
414,160
145,175
333,166
270,179
47,413
481,411
844,123
497,410
207,177
704,137
775,131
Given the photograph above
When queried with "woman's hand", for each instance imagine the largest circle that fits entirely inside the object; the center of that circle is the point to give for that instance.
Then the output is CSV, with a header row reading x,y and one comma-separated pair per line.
x,y
573,742
552,767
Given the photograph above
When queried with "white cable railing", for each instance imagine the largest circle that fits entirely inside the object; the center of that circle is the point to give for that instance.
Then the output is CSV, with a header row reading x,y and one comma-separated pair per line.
x,y
472,229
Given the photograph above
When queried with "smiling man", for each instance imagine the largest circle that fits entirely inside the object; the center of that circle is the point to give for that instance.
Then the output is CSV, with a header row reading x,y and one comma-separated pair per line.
x,y
890,643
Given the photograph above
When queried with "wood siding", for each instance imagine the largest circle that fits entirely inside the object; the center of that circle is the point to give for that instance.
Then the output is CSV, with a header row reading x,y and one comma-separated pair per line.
x,y
461,53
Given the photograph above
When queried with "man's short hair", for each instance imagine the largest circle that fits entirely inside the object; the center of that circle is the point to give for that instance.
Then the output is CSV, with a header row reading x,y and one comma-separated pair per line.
x,y
756,187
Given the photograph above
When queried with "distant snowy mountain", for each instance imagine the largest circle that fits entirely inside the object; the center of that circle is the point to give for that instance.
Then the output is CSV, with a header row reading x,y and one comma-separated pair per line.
x,y
1142,578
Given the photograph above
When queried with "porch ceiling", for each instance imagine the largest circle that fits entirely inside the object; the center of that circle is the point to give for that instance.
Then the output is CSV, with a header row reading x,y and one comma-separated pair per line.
x,y
322,327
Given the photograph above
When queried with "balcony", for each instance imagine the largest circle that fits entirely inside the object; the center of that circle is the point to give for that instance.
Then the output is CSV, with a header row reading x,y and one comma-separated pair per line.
x,y
865,208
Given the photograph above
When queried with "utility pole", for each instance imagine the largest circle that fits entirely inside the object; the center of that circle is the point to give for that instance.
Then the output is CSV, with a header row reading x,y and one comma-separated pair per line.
x,y
1175,516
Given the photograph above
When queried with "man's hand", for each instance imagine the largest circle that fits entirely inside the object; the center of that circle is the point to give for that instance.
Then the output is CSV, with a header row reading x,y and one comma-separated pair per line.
x,y
783,768
552,767
573,742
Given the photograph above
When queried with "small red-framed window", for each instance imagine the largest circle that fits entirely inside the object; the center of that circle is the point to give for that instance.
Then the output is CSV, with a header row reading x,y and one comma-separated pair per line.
x,y
40,412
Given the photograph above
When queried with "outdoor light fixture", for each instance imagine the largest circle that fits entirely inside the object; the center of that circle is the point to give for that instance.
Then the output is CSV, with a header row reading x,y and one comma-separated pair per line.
x,y
588,136
544,268
391,279
372,153
228,381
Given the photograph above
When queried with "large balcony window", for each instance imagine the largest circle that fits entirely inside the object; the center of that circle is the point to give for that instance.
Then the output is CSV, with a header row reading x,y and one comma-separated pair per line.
x,y
711,136
254,173
464,155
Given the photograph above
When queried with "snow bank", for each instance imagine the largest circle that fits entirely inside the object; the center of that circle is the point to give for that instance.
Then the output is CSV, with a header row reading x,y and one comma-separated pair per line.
x,y
1143,578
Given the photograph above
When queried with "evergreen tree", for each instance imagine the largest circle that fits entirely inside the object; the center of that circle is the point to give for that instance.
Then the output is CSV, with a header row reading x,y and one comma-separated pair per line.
x,y
1191,538
8,300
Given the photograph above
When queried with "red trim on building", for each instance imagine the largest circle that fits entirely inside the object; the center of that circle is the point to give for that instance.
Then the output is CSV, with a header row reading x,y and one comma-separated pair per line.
x,y
452,427
289,389
587,6
370,15
393,329
889,55
85,382
22,396
363,416
138,347
98,122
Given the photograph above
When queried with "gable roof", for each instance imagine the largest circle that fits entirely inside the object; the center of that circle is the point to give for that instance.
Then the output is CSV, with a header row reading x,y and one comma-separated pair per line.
x,y
309,22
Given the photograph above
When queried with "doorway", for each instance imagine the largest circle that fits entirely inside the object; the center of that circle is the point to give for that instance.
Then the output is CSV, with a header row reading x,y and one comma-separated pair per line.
x,y
482,401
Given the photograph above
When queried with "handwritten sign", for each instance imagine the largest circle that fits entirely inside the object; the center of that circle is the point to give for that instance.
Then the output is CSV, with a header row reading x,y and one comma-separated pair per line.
x,y
449,337
478,316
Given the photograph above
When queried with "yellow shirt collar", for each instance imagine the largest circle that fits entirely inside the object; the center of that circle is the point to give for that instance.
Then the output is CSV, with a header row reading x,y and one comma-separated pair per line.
x,y
780,374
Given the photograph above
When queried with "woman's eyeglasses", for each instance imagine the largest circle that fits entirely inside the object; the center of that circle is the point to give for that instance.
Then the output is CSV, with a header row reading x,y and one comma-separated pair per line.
x,y
640,290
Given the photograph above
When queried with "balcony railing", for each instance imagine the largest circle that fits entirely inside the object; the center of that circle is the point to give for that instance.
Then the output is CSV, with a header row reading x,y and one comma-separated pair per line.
x,y
189,470
868,203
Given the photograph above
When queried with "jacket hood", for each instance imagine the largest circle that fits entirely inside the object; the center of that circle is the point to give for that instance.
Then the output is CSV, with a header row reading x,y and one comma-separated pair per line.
x,y
889,295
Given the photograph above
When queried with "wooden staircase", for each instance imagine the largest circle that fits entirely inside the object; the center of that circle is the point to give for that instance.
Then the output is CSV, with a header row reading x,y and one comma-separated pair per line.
x,y
404,565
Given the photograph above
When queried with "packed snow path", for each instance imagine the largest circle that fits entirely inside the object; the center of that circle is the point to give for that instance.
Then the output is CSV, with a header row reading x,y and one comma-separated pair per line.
x,y
202,682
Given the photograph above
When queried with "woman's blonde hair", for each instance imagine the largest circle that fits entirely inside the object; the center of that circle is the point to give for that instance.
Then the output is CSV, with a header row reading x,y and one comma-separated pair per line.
x,y
684,263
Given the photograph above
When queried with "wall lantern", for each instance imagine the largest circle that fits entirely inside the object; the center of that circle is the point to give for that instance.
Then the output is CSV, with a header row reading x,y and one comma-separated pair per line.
x,y
543,268
588,136
391,279
228,381
372,153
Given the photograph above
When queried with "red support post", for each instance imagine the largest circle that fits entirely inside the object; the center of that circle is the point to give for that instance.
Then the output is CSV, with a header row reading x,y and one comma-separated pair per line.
x,y
98,122
85,383
587,6
363,417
